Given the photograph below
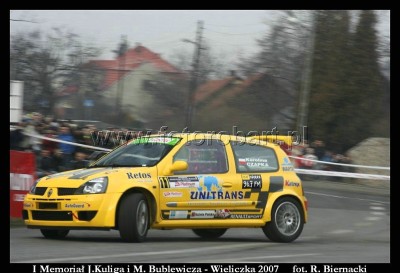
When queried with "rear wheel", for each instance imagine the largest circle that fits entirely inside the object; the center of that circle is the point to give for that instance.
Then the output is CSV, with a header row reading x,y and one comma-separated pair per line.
x,y
54,233
133,218
211,233
287,221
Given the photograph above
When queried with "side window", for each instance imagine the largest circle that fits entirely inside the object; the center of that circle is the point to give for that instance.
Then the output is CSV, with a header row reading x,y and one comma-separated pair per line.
x,y
254,158
210,157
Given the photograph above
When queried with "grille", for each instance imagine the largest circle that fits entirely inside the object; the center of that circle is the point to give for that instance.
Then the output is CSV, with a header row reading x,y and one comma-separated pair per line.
x,y
66,191
43,205
40,190
52,215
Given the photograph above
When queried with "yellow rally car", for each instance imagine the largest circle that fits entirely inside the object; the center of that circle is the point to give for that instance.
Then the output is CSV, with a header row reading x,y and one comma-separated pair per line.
x,y
204,182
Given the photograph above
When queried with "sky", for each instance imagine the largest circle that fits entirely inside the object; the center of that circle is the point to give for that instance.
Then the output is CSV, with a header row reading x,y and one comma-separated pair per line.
x,y
228,32
161,31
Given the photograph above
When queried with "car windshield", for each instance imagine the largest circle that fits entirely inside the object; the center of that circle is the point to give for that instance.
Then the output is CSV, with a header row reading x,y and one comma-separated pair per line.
x,y
141,152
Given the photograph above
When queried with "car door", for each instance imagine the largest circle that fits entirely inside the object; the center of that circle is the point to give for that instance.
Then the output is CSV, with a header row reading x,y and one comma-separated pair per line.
x,y
208,189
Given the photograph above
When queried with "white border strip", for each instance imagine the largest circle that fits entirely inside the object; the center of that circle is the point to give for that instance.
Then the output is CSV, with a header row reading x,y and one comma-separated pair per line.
x,y
343,174
67,142
341,164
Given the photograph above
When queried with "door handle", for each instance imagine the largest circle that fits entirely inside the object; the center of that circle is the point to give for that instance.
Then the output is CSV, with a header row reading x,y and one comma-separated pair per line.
x,y
227,185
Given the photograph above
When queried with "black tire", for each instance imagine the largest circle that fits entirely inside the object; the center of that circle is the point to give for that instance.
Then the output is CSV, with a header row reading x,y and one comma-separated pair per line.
x,y
54,233
210,233
133,218
287,221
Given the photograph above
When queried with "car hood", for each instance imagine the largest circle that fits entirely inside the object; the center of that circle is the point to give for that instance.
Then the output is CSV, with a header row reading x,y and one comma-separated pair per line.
x,y
76,178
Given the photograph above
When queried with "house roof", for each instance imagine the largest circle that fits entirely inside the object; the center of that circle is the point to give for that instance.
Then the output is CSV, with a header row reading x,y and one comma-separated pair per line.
x,y
207,89
141,54
130,60
235,90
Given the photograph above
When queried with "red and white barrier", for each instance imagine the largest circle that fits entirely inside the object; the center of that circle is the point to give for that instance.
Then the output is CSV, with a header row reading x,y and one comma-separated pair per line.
x,y
22,177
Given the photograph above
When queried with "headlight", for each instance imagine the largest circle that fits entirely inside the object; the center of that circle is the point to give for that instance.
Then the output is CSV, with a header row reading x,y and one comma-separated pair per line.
x,y
96,185
33,188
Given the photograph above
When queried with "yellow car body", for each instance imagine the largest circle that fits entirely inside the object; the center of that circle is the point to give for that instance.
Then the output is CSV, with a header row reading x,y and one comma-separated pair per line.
x,y
204,182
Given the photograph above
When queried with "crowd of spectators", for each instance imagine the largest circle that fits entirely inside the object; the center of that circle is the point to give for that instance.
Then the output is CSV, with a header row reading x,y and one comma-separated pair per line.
x,y
307,155
52,156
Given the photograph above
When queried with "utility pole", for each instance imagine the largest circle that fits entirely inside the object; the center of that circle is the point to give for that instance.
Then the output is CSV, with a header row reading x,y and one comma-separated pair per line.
x,y
194,75
307,78
121,68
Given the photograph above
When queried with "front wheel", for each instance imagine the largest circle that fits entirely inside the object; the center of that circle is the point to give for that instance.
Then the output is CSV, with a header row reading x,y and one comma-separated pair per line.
x,y
133,218
54,233
211,233
287,221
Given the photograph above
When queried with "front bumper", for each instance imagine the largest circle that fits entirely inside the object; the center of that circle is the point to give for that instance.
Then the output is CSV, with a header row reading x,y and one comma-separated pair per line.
x,y
74,211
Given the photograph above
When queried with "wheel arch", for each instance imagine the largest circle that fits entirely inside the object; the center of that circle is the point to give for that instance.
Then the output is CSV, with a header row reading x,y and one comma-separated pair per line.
x,y
151,201
276,198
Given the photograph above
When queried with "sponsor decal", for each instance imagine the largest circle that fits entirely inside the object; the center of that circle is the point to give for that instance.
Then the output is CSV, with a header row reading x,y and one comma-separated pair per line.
x,y
216,195
179,182
213,203
287,166
242,161
184,184
209,188
139,176
77,205
161,140
202,214
246,216
251,181
222,214
172,194
291,184
178,214
183,179
253,162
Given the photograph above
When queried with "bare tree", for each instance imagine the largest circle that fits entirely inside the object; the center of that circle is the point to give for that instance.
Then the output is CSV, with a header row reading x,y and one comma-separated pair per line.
x,y
45,62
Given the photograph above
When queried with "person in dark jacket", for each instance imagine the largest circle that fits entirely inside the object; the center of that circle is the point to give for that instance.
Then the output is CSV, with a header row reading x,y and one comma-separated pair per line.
x,y
45,164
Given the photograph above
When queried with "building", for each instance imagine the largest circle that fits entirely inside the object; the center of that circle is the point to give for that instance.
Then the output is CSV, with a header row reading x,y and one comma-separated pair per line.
x,y
127,88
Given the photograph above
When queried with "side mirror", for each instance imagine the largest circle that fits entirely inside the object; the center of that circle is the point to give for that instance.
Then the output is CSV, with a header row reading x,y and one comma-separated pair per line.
x,y
176,167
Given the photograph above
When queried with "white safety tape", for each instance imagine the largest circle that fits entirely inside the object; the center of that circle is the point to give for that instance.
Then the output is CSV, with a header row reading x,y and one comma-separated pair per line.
x,y
68,142
343,174
341,164
301,171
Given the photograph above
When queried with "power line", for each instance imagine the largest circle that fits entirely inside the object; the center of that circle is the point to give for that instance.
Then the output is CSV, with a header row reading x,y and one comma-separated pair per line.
x,y
235,34
27,21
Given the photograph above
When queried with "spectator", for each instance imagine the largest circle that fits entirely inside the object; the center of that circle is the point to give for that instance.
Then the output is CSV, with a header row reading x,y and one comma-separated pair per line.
x,y
67,149
309,155
45,164
48,144
32,142
79,161
319,149
59,162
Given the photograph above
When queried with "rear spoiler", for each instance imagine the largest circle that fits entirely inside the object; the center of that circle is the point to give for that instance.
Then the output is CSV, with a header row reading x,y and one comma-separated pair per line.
x,y
277,139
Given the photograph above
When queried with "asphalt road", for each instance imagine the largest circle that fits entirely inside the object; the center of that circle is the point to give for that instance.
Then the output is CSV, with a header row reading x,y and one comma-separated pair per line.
x,y
347,224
